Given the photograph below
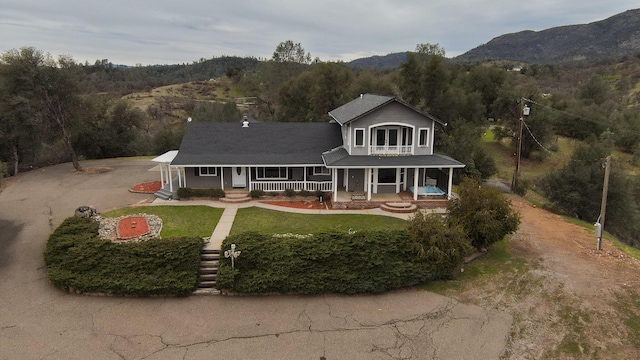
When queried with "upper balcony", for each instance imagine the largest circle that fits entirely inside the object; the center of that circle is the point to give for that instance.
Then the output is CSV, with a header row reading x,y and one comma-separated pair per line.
x,y
387,149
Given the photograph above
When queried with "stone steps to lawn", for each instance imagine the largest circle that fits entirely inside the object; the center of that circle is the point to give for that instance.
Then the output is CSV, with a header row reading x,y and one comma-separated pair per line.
x,y
209,261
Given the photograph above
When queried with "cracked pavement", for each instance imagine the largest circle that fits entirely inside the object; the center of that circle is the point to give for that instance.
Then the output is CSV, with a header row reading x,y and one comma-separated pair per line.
x,y
38,321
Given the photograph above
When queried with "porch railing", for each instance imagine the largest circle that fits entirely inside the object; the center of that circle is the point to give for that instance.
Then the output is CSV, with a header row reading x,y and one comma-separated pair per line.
x,y
391,149
295,185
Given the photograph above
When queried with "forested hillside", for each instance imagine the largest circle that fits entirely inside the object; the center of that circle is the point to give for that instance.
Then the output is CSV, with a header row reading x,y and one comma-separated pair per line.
x,y
55,110
616,36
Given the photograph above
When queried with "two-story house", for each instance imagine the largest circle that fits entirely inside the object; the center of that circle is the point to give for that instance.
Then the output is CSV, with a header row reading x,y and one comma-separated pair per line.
x,y
373,145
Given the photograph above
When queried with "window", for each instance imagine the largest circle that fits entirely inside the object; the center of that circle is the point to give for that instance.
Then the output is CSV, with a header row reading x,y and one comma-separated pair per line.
x,y
386,176
423,137
321,170
359,138
271,173
207,171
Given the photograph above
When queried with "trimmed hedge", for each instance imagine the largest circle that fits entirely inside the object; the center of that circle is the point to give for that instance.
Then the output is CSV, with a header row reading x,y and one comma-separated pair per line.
x,y
185,193
77,258
362,262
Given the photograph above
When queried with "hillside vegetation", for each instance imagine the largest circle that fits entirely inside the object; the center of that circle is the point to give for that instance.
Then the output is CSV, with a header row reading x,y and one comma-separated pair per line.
x,y
616,36
68,112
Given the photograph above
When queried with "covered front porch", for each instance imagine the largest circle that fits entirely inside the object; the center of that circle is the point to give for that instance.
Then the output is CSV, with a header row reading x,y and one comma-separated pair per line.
x,y
343,199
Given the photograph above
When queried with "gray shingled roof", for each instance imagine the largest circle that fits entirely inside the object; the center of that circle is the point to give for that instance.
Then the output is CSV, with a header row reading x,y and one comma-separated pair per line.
x,y
366,104
218,144
358,107
339,158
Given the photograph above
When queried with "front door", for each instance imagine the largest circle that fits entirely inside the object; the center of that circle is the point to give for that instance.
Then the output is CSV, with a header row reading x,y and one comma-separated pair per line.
x,y
239,177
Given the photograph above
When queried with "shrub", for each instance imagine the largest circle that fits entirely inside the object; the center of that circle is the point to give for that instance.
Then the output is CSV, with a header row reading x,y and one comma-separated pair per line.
x,y
521,186
304,193
438,241
289,192
318,193
77,258
185,193
255,194
329,262
485,214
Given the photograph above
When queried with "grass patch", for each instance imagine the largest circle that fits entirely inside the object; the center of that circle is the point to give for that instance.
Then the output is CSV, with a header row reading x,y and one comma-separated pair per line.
x,y
278,222
495,261
198,221
626,249
574,342
628,305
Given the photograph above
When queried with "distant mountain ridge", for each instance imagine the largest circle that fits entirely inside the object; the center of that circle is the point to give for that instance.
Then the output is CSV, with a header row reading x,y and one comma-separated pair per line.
x,y
615,36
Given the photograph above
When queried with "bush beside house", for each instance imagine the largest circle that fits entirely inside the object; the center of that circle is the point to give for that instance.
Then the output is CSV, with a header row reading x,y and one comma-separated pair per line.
x,y
185,193
78,259
485,214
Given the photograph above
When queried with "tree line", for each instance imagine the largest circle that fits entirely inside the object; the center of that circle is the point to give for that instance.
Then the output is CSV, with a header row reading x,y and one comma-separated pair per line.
x,y
56,110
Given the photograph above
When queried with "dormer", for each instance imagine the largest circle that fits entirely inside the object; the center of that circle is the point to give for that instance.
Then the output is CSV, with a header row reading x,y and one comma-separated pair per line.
x,y
383,125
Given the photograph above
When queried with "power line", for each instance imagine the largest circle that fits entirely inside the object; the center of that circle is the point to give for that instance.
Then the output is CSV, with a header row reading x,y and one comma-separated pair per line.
x,y
535,139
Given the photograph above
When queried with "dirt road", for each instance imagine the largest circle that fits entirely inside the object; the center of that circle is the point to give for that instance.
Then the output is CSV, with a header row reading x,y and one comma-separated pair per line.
x,y
568,300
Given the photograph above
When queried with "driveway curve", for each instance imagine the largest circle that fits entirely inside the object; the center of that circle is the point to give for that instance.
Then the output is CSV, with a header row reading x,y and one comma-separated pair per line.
x,y
38,321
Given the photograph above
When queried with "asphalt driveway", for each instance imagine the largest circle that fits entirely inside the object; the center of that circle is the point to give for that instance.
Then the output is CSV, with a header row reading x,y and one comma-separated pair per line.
x,y
38,321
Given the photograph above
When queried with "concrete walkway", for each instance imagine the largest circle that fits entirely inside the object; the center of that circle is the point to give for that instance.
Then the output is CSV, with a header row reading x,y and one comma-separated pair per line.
x,y
223,228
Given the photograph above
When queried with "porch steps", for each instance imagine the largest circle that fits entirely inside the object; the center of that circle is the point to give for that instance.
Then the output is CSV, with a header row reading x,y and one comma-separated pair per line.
x,y
163,194
209,260
399,207
235,197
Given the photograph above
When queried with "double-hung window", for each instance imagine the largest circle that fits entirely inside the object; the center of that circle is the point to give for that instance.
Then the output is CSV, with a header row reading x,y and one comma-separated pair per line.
x,y
271,173
423,137
207,171
359,138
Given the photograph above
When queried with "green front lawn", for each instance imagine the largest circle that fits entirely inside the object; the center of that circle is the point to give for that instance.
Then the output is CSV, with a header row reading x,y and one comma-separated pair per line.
x,y
188,221
279,222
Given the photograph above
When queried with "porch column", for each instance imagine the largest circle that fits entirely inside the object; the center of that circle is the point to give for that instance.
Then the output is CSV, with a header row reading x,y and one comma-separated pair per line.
x,y
398,180
416,174
222,178
450,183
346,179
184,177
304,179
334,183
404,183
170,179
161,174
249,176
179,177
368,172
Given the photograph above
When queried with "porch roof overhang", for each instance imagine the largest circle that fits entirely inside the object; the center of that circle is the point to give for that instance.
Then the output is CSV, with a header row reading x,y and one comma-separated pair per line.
x,y
166,158
267,164
341,159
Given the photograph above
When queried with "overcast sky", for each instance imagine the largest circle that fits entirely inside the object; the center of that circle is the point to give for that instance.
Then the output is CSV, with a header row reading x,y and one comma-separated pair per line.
x,y
182,31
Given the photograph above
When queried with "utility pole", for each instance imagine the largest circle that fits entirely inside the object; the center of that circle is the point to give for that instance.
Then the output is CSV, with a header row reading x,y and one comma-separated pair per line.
x,y
603,205
518,149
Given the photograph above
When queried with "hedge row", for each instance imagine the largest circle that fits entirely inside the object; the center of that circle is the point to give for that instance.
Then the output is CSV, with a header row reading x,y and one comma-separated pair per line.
x,y
77,258
185,193
363,262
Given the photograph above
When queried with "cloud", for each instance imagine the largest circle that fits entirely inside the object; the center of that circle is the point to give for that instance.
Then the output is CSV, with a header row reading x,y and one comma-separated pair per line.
x,y
166,32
